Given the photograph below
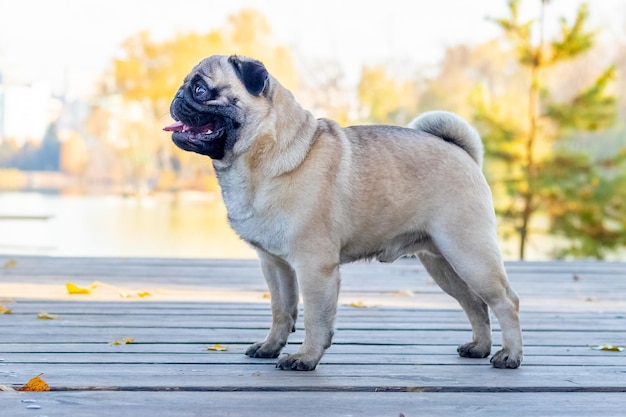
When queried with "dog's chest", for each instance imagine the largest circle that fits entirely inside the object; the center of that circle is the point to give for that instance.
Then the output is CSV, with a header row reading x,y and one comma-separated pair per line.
x,y
252,215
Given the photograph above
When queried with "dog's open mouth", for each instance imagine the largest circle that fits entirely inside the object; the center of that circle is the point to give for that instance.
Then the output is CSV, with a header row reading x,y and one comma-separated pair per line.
x,y
204,133
206,139
207,129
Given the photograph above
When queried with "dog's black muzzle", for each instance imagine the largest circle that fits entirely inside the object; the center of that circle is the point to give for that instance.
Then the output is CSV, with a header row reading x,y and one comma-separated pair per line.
x,y
205,128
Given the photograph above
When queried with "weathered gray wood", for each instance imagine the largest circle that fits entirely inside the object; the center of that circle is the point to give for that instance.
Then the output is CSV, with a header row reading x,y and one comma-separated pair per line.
x,y
85,306
262,320
314,404
444,356
405,347
389,351
51,333
332,377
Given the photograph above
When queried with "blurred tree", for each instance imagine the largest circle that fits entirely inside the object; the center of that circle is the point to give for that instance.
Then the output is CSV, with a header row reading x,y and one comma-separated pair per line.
x,y
44,156
586,202
544,174
146,77
465,66
8,150
323,89
385,100
152,71
73,158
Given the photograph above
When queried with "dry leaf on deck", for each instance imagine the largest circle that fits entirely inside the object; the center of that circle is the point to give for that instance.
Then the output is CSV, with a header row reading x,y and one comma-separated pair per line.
x,y
217,347
135,294
4,310
120,291
37,384
358,304
46,316
11,263
611,348
124,341
75,289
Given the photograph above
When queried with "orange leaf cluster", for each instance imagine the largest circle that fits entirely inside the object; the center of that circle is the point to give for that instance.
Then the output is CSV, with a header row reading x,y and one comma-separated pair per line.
x,y
36,384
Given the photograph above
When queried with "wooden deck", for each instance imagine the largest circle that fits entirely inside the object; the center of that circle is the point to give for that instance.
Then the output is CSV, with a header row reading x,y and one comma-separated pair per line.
x,y
396,356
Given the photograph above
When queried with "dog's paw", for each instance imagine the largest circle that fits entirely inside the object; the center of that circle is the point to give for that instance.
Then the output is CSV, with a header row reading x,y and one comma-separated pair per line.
x,y
264,350
505,359
297,362
472,350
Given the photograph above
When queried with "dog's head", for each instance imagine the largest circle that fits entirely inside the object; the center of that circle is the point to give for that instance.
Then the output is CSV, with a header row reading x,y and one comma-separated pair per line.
x,y
217,104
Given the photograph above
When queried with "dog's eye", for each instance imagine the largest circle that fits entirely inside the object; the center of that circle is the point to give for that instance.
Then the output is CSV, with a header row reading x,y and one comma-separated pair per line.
x,y
200,91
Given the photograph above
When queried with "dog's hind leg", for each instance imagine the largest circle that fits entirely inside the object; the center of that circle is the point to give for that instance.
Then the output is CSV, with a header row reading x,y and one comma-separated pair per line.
x,y
479,264
283,287
475,308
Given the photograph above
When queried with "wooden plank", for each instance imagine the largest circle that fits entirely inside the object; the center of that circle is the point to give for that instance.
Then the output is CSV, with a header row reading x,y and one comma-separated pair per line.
x,y
55,334
141,308
202,356
80,305
310,404
191,334
145,267
389,351
384,323
330,377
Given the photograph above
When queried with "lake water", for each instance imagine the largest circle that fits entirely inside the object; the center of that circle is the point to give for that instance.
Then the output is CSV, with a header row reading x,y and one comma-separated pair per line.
x,y
188,225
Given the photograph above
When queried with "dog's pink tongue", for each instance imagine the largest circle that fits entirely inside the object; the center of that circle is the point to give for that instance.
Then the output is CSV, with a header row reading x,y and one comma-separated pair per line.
x,y
174,127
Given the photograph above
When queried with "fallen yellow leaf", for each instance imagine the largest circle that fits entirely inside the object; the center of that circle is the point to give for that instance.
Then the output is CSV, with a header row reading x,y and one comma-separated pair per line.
x,y
11,263
135,294
124,341
217,347
4,310
37,384
611,348
358,304
75,289
266,295
46,316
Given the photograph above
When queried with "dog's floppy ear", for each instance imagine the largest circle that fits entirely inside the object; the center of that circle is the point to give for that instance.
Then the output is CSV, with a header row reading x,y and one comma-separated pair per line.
x,y
252,74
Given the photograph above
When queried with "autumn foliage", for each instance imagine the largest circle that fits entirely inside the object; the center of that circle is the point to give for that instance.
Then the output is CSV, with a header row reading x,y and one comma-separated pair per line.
x,y
547,108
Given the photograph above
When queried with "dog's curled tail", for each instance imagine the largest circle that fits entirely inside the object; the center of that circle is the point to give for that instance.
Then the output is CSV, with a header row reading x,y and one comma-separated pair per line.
x,y
451,128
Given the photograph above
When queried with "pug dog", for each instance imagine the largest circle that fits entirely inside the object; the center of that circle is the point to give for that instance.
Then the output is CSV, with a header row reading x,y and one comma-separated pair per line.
x,y
310,196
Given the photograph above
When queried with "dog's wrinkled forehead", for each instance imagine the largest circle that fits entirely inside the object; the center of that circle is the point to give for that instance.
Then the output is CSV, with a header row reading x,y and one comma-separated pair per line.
x,y
214,70
232,72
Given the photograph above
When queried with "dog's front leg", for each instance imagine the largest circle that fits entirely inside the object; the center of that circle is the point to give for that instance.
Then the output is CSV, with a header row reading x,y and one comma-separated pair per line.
x,y
319,284
281,281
